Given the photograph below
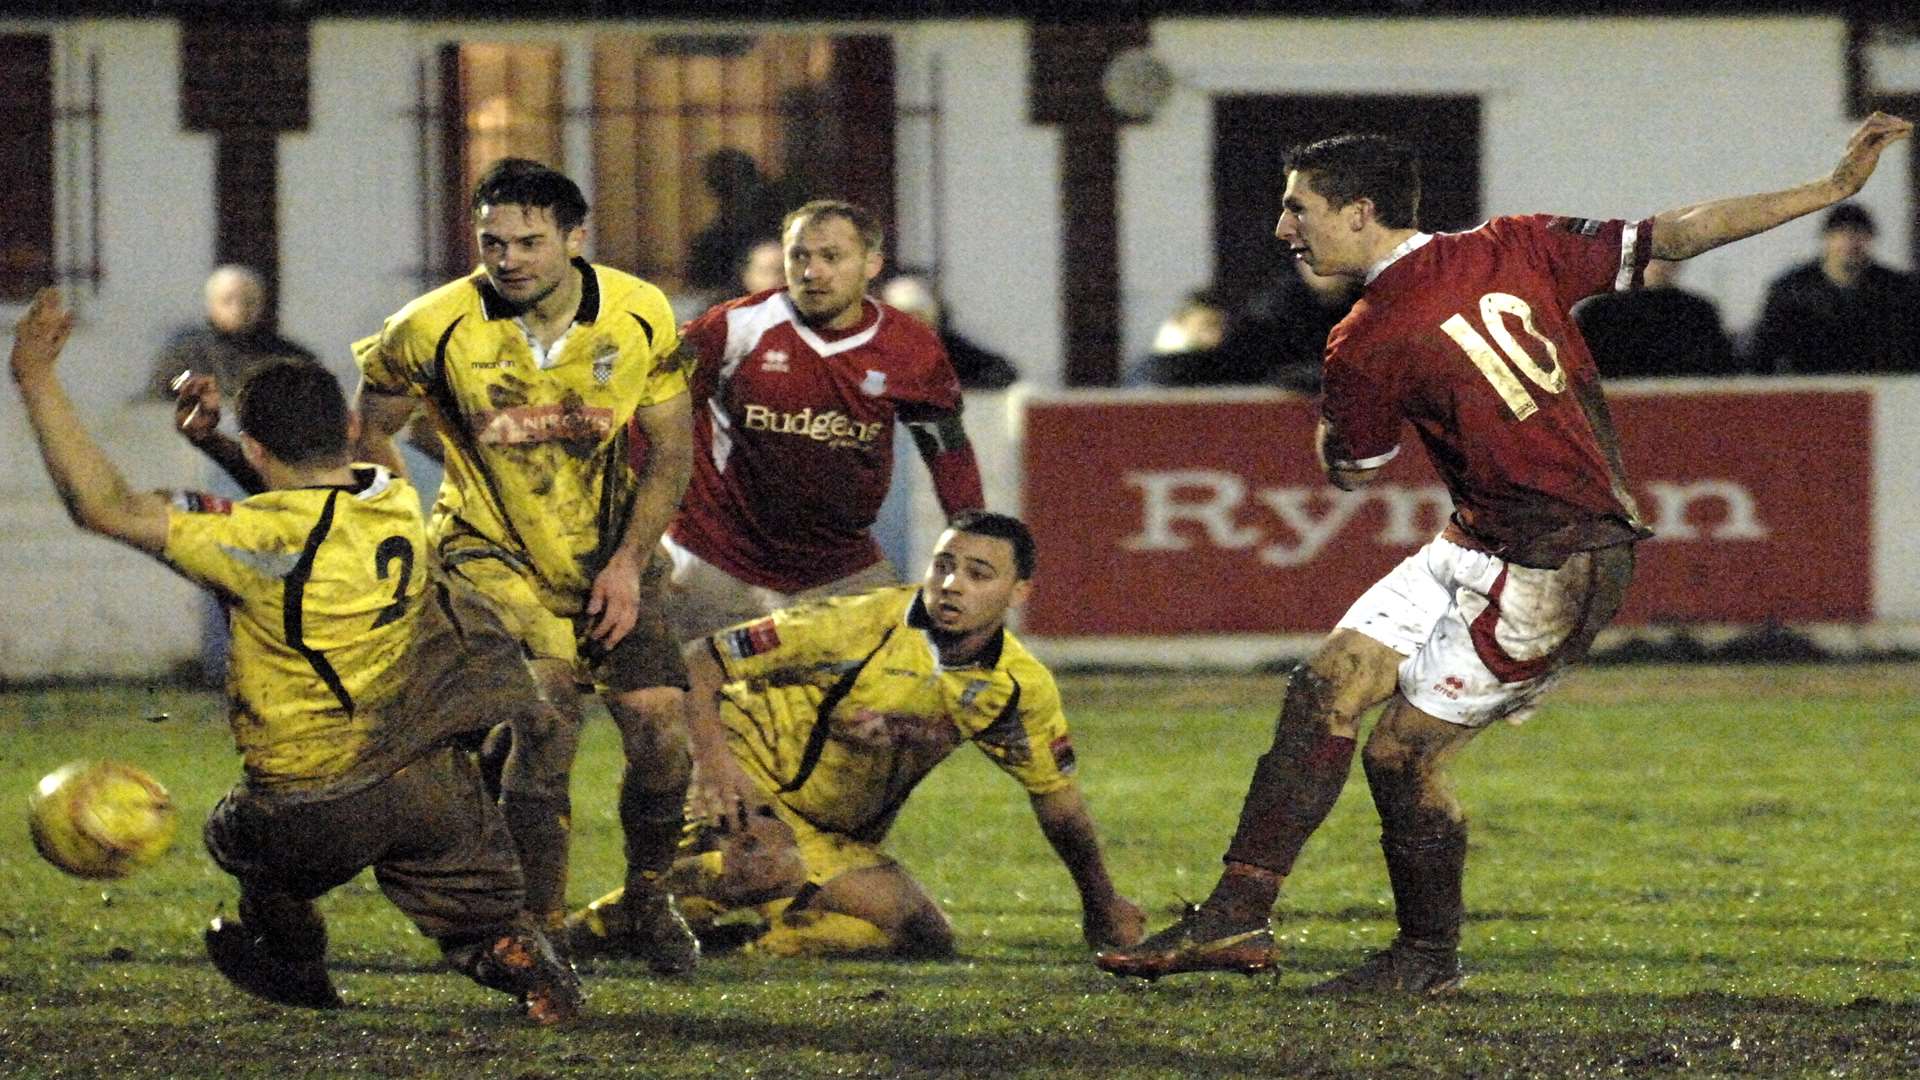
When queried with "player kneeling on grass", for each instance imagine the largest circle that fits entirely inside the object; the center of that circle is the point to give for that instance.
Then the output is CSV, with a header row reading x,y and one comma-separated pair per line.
x,y
811,727
351,673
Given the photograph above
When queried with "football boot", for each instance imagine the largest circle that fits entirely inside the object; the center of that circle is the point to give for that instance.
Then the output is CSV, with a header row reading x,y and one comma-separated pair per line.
x,y
523,963
250,964
640,924
1400,969
1200,941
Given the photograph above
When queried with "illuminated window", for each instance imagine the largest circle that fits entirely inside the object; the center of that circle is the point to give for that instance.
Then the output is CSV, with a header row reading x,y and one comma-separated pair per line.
x,y
501,101
664,106
810,115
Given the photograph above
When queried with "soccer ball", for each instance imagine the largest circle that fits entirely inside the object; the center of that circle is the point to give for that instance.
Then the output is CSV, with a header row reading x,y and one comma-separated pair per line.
x,y
100,819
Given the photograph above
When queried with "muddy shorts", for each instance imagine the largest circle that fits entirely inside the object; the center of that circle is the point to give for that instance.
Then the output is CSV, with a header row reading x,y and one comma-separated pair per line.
x,y
702,598
1484,638
648,656
437,844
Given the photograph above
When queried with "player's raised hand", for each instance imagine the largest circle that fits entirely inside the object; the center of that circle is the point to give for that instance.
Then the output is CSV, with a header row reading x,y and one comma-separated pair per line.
x,y
40,335
1875,133
196,405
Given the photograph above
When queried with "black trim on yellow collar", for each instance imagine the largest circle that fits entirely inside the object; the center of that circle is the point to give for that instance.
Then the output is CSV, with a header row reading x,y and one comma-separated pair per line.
x,y
989,657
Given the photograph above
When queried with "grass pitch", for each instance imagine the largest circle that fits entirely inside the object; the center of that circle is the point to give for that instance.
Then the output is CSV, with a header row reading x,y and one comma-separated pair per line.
x,y
1679,871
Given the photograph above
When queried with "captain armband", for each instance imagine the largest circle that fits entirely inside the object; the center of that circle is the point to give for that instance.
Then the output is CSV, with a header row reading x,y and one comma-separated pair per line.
x,y
939,435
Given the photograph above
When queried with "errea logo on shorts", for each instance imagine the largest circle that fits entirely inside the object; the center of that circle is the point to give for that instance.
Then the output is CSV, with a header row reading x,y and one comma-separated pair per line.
x,y
829,425
1450,687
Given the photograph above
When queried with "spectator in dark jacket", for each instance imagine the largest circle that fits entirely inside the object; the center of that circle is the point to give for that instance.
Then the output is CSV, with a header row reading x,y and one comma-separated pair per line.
x,y
233,342
1659,329
1843,312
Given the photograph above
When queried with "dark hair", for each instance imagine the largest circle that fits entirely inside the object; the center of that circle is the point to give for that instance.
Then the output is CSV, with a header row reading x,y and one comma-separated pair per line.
x,y
295,409
1205,298
523,182
1848,216
872,236
1002,527
1349,167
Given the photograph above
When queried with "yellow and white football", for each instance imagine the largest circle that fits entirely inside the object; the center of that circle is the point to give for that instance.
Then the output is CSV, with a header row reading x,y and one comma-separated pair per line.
x,y
100,819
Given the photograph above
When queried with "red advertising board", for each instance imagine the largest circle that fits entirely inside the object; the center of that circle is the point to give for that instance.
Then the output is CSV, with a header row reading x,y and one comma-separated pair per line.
x,y
1212,517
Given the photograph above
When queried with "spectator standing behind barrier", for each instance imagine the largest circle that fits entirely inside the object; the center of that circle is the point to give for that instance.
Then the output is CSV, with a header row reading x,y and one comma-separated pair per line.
x,y
1660,329
1281,331
1842,313
231,344
1186,348
977,367
763,266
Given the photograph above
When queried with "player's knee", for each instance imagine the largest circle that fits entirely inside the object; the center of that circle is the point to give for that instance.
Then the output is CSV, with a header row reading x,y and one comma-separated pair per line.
x,y
927,934
1312,709
652,728
540,758
1352,673
1408,787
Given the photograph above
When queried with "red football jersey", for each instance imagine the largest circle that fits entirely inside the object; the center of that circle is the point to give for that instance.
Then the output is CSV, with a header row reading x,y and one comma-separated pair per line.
x,y
793,436
1469,337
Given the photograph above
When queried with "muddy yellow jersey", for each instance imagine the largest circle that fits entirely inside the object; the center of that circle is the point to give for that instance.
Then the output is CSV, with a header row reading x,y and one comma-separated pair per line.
x,y
323,587
537,462
842,706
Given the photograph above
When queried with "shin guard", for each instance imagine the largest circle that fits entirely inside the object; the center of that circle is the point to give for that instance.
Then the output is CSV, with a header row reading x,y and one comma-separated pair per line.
x,y
542,828
1428,870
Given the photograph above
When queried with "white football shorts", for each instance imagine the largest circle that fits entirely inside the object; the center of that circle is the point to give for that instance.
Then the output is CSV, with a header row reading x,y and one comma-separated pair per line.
x,y
701,598
1482,637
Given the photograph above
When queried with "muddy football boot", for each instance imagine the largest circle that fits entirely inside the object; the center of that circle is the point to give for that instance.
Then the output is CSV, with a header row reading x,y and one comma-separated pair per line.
x,y
524,964
248,963
638,925
1200,941
1401,969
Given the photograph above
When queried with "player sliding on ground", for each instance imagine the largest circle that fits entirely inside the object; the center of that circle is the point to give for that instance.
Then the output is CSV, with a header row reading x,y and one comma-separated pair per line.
x,y
811,727
352,671
1467,337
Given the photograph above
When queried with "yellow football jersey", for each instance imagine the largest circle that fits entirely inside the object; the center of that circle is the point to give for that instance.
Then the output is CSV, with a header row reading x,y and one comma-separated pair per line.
x,y
841,707
536,443
324,587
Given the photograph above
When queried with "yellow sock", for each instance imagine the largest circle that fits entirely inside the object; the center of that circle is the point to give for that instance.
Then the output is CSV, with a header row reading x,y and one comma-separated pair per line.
x,y
594,915
821,933
700,911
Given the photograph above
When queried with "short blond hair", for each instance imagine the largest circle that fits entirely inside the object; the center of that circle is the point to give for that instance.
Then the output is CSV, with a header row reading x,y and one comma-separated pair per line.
x,y
872,236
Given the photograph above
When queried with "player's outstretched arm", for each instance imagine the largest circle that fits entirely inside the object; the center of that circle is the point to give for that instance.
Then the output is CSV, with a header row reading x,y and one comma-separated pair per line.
x,y
1108,920
96,495
381,418
1687,231
720,792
